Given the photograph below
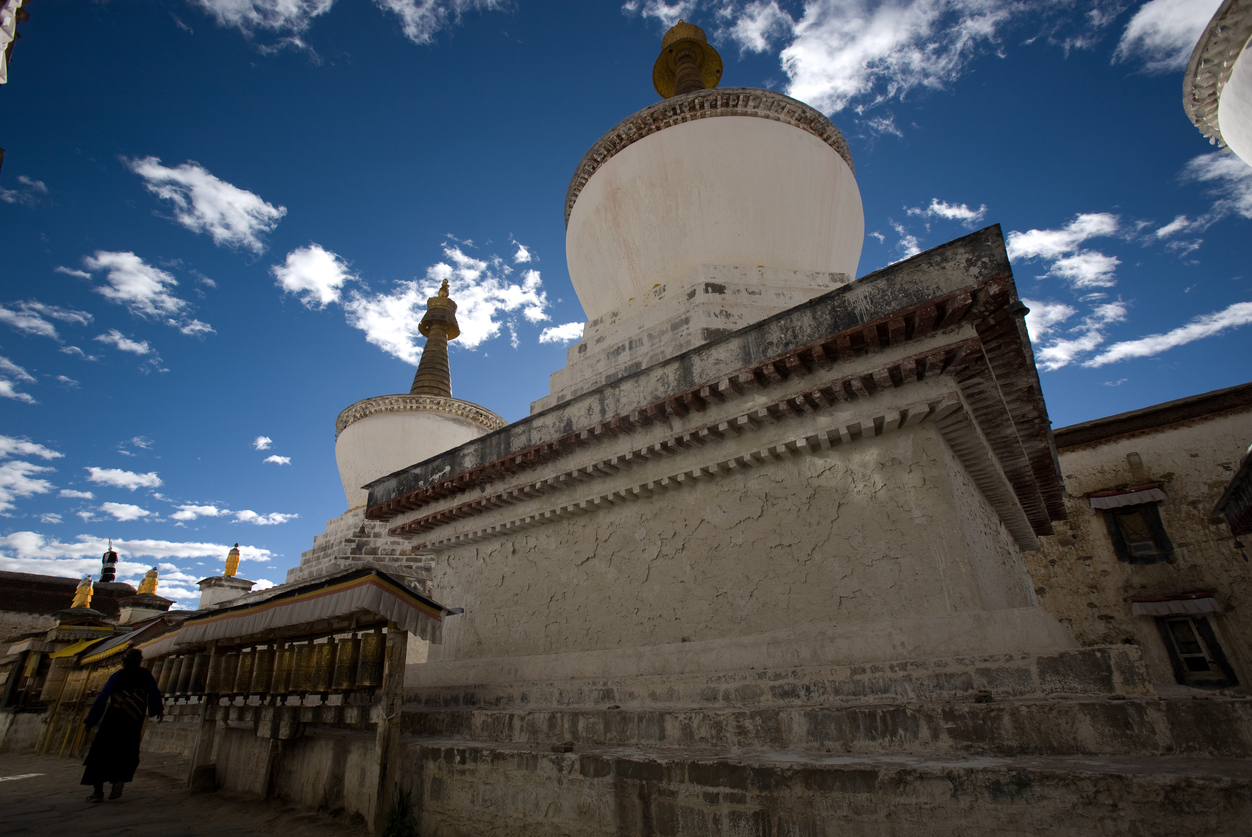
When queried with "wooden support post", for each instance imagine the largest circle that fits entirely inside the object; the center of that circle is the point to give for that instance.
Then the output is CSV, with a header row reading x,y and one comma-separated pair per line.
x,y
201,772
388,740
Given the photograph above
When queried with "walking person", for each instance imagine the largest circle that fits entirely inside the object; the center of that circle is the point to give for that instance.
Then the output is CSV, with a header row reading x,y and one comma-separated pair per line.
x,y
126,698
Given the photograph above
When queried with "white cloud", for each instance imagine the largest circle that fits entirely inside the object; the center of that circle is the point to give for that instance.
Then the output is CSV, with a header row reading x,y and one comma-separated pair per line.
x,y
51,518
33,552
566,333
1081,268
882,126
1163,33
232,216
1044,316
11,375
77,352
191,512
522,255
1230,182
1087,336
758,25
139,286
1052,244
951,212
908,245
142,442
313,274
124,511
667,13
1179,224
71,494
845,49
262,442
421,19
123,343
118,478
31,317
278,460
1234,316
31,193
67,381
69,271
17,480
21,446
483,292
195,328
271,519
278,15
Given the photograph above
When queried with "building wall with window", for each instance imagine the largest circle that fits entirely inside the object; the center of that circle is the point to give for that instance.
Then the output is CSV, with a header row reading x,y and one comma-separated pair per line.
x,y
1142,559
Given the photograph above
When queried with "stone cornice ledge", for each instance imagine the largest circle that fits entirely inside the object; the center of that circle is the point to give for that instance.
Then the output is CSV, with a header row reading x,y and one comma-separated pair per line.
x,y
417,403
721,101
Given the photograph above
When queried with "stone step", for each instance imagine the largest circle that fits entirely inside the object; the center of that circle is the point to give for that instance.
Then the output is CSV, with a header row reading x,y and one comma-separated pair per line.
x,y
1219,726
1103,671
483,788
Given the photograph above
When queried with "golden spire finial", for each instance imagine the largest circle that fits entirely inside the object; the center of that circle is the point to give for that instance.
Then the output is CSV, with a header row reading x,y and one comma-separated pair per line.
x,y
434,377
82,595
147,587
687,62
232,561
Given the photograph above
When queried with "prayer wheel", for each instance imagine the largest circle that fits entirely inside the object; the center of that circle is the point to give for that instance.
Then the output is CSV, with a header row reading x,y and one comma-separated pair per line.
x,y
323,665
302,669
370,671
169,677
243,675
285,661
199,673
263,671
184,675
213,683
230,666
167,671
346,658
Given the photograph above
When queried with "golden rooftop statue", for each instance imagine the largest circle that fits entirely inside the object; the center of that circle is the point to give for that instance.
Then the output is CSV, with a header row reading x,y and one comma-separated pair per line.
x,y
434,377
232,561
147,587
687,62
82,595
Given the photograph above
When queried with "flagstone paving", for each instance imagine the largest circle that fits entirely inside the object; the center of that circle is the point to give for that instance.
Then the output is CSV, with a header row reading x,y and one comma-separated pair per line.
x,y
155,805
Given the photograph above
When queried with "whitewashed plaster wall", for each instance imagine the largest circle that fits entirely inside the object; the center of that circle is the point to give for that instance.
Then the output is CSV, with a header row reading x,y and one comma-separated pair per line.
x,y
888,528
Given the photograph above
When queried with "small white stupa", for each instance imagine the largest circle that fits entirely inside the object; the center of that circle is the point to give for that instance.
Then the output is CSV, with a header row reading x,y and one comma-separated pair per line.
x,y
384,434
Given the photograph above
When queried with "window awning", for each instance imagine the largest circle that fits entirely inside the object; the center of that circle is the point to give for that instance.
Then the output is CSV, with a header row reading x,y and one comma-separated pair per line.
x,y
1183,605
1132,497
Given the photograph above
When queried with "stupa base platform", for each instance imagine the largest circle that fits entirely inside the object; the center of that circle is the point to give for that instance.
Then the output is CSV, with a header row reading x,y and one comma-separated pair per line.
x,y
486,789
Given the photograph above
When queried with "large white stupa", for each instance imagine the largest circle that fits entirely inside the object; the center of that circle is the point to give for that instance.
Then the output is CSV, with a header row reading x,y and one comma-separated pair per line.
x,y
1217,91
660,269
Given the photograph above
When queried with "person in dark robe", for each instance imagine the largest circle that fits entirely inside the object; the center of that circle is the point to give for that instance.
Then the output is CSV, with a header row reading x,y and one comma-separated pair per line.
x,y
126,698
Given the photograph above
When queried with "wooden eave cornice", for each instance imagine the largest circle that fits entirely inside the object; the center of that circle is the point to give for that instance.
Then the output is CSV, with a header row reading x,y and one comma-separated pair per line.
x,y
995,373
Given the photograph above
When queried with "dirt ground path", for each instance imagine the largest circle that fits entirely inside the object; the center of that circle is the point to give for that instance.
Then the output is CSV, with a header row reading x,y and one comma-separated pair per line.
x,y
40,795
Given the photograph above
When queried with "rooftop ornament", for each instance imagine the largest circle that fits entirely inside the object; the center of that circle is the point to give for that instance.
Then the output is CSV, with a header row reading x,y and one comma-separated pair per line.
x,y
232,563
82,595
687,62
434,377
148,586
108,570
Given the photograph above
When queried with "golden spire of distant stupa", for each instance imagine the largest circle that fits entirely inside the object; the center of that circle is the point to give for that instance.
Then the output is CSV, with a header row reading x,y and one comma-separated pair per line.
x,y
438,327
147,587
232,561
82,596
687,62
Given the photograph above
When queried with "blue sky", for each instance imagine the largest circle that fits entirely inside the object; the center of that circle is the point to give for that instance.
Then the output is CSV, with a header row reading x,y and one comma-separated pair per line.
x,y
220,219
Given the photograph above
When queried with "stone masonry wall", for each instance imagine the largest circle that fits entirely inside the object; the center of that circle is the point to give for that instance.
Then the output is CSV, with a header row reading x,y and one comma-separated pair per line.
x,y
351,541
1078,577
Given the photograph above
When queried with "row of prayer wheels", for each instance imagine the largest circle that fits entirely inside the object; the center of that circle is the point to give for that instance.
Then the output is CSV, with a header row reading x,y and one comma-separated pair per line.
x,y
313,666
